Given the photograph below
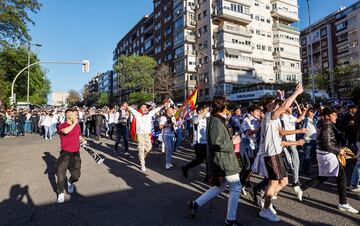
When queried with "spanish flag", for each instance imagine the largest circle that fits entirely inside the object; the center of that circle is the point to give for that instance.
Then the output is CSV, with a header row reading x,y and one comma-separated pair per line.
x,y
188,105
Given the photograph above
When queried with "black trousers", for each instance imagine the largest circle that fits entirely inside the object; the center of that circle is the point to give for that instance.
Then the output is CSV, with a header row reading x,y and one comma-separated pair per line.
x,y
122,132
340,180
200,153
34,127
67,161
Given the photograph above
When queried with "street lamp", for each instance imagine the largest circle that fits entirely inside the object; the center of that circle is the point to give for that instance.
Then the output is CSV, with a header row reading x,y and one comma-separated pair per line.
x,y
28,71
311,55
85,68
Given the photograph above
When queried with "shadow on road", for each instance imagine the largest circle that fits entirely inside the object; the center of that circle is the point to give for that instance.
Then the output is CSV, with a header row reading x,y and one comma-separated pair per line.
x,y
50,170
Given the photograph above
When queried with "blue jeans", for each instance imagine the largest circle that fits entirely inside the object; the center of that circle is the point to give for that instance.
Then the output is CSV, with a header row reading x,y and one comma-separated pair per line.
x,y
179,139
234,186
309,155
27,126
169,147
355,177
47,132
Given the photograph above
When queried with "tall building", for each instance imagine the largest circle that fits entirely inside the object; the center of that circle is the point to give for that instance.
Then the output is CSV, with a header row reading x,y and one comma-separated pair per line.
x,y
334,41
59,98
220,44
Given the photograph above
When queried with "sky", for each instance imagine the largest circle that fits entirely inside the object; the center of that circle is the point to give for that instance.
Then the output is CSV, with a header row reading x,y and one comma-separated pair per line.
x,y
74,30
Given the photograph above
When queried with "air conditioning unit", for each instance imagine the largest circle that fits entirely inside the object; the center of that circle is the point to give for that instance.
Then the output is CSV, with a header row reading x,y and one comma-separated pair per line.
x,y
199,65
198,35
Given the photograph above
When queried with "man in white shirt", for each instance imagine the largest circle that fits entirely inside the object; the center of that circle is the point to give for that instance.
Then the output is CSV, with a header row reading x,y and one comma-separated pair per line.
x,y
289,123
143,130
200,124
272,148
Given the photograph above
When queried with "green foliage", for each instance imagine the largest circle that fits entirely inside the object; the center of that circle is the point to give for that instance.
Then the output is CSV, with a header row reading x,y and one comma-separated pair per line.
x,y
346,79
136,73
103,99
140,97
73,98
12,60
14,19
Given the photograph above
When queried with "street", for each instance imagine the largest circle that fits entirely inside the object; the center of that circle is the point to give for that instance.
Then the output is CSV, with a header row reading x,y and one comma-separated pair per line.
x,y
118,193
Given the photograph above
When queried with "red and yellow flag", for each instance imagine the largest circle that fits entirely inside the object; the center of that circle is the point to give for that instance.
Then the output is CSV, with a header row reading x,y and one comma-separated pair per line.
x,y
188,105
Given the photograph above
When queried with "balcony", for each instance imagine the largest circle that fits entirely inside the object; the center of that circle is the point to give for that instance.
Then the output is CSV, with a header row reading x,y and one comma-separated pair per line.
x,y
234,46
284,14
228,14
190,38
234,29
286,28
287,55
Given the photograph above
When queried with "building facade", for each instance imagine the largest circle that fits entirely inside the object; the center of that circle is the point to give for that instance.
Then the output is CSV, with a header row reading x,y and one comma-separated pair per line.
x,y
334,41
219,44
59,98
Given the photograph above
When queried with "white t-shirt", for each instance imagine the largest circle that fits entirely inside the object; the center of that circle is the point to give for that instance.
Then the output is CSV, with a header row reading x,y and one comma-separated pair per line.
x,y
289,124
111,118
167,131
249,123
311,132
271,135
200,131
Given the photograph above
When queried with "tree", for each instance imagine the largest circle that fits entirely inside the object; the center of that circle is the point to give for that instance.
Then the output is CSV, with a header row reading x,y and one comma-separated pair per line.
x,y
164,81
14,19
136,76
346,78
74,98
103,99
12,60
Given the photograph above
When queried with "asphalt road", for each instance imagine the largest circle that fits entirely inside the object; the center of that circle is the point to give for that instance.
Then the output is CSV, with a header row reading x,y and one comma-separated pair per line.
x,y
118,193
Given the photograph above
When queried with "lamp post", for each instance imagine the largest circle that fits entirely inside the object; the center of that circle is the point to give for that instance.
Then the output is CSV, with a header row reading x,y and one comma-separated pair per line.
x,y
85,68
28,71
311,56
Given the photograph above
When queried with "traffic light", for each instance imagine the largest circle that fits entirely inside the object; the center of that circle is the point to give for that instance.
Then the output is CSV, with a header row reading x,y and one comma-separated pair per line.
x,y
85,66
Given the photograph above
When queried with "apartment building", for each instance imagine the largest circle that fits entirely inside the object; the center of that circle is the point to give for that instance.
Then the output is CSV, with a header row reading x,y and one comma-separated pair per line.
x,y
219,44
59,98
334,40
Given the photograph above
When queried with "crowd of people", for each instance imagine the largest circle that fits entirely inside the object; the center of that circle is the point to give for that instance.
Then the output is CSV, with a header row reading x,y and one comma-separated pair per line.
x,y
273,139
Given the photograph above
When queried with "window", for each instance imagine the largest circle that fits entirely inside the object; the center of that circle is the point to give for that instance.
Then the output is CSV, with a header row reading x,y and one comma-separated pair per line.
x,y
324,43
157,26
199,16
341,26
263,47
258,32
178,38
269,48
268,21
323,32
157,15
158,49
167,43
204,13
342,37
258,46
167,19
205,29
354,43
168,31
352,20
325,65
179,52
325,54
179,23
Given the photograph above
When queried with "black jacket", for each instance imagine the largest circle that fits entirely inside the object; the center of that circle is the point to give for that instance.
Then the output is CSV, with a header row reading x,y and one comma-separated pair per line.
x,y
357,125
326,139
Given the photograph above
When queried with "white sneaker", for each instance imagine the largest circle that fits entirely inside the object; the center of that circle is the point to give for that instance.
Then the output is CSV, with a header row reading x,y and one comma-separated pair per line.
x,y
46,138
274,197
167,166
347,208
61,198
143,168
243,191
50,138
126,153
299,192
70,187
271,207
268,215
171,165
355,189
